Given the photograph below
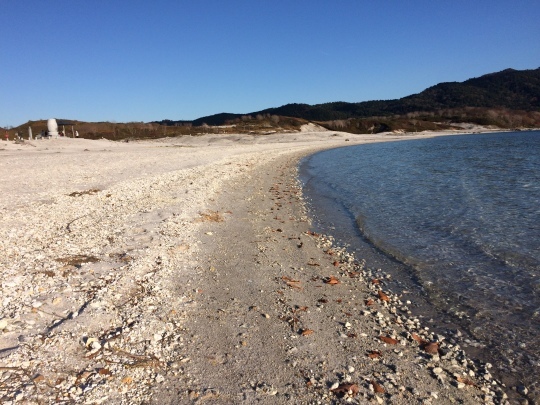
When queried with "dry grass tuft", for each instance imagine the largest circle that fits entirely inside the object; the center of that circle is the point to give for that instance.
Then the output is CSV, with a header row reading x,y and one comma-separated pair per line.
x,y
86,192
77,260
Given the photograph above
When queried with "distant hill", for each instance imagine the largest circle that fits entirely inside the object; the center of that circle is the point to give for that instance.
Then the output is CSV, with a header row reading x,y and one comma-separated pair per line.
x,y
506,99
509,89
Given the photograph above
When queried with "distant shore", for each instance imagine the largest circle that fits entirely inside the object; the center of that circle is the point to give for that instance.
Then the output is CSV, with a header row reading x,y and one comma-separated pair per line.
x,y
184,269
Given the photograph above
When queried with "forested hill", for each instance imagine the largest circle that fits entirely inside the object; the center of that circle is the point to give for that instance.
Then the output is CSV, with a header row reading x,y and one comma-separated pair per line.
x,y
508,99
509,89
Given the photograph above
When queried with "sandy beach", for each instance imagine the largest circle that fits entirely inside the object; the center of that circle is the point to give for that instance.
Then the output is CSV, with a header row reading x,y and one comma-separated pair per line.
x,y
184,270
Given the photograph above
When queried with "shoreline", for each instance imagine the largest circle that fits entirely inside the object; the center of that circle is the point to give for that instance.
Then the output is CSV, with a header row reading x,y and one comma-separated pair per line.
x,y
512,365
117,267
325,326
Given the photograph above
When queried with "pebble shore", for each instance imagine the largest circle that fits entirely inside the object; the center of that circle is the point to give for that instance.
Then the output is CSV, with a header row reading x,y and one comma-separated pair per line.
x,y
185,271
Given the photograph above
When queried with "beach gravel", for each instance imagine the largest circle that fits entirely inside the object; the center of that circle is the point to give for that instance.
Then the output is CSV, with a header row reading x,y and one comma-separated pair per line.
x,y
185,271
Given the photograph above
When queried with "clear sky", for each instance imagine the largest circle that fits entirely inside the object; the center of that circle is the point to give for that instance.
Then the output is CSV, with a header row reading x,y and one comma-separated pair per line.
x,y
141,60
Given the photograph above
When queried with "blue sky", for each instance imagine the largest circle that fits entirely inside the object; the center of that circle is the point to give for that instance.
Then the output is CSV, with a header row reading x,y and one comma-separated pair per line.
x,y
135,60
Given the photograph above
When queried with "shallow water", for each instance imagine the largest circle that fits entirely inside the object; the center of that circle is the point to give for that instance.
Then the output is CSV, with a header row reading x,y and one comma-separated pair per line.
x,y
462,213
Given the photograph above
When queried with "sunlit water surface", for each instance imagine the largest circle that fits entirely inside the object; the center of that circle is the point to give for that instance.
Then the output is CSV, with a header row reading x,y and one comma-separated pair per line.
x,y
461,212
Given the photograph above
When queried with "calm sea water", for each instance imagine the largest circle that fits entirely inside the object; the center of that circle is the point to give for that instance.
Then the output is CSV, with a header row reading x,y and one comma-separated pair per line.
x,y
461,213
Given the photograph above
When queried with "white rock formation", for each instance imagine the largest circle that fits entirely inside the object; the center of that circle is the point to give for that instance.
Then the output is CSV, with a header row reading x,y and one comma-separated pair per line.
x,y
52,126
